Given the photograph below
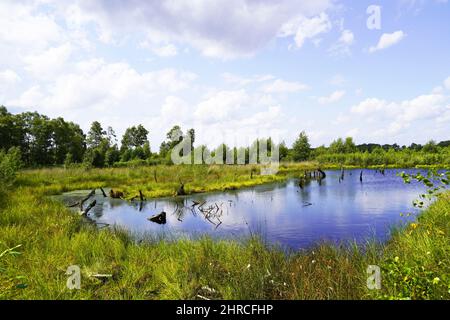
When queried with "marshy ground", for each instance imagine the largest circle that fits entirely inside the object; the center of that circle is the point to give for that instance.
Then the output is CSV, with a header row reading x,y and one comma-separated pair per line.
x,y
41,238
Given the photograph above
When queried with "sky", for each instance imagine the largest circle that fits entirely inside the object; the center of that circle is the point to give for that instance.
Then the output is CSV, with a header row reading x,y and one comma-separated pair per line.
x,y
234,70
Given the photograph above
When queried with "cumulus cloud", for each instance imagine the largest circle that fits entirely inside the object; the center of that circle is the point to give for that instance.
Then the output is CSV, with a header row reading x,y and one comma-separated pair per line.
x,y
447,83
243,81
394,117
223,28
49,62
387,40
342,46
8,77
166,51
332,98
303,28
20,26
221,106
111,91
282,86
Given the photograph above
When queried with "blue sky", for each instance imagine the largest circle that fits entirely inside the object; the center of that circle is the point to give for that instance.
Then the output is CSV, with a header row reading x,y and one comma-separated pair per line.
x,y
234,69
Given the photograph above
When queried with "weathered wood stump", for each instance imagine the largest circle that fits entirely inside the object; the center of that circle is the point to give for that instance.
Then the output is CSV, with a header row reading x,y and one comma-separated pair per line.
x,y
181,191
159,218
116,194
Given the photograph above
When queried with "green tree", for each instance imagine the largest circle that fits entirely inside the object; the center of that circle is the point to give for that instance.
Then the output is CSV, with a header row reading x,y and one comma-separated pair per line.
x,y
96,135
349,145
67,137
174,136
38,144
284,151
134,137
301,148
12,131
430,147
337,146
112,156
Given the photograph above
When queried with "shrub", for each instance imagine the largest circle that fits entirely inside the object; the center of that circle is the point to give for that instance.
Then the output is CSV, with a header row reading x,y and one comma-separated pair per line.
x,y
10,163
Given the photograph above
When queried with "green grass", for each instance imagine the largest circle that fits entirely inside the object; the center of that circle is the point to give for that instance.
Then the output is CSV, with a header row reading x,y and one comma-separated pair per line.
x,y
197,178
415,262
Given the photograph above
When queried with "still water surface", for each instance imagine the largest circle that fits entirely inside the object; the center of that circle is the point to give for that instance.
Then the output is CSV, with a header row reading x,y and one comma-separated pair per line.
x,y
282,213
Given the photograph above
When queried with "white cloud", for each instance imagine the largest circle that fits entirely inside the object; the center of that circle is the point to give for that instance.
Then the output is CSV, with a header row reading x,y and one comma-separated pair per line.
x,y
397,116
347,37
221,106
304,28
175,109
447,83
243,81
332,98
282,86
28,99
20,26
8,77
337,80
222,28
342,46
48,63
237,117
166,51
114,93
387,40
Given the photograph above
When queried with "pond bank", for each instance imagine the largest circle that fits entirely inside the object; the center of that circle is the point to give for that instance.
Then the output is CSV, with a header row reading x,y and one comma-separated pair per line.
x,y
414,263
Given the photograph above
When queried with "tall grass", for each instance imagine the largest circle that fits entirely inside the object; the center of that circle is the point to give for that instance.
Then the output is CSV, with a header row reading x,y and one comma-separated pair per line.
x,y
51,239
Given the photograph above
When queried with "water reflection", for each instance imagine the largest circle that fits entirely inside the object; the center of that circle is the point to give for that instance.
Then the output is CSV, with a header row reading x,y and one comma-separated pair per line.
x,y
296,216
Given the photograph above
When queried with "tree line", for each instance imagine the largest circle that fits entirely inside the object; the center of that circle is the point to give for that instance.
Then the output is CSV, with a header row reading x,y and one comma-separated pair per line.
x,y
41,141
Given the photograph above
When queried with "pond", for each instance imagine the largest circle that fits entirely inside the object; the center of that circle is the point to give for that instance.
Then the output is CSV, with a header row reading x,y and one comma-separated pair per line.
x,y
283,213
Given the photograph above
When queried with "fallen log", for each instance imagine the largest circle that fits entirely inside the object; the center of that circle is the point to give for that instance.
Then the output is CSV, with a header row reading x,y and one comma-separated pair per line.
x,y
88,208
81,202
159,218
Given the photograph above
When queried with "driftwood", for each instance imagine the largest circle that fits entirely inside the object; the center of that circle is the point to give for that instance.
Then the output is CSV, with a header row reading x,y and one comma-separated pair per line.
x,y
81,202
103,191
159,218
323,175
196,203
116,194
88,208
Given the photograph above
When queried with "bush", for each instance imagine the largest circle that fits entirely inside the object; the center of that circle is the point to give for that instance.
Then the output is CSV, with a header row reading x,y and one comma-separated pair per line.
x,y
10,163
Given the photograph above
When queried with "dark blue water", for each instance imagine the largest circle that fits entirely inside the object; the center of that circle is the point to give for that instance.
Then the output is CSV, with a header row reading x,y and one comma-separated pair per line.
x,y
282,213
